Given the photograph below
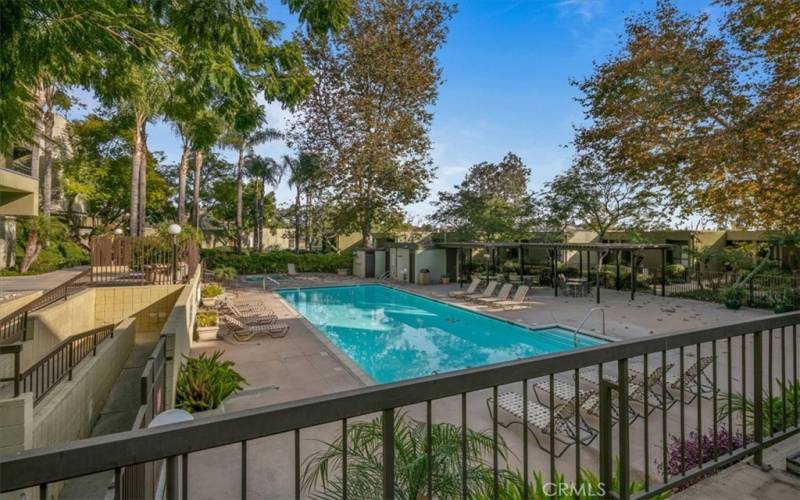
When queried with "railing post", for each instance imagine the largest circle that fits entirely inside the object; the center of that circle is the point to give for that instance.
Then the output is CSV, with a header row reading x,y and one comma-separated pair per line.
x,y
16,371
94,343
758,409
606,446
388,454
624,444
71,356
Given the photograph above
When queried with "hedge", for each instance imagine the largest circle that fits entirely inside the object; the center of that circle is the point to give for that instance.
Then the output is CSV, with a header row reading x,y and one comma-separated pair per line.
x,y
276,261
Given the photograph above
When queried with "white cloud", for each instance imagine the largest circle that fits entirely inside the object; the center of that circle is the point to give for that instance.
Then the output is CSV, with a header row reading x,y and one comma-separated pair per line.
x,y
586,9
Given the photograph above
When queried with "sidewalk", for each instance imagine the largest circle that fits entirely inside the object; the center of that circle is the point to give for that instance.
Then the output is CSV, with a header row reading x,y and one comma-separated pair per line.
x,y
46,281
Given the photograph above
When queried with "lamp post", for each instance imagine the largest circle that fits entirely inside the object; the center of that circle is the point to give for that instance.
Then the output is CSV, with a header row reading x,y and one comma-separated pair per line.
x,y
174,230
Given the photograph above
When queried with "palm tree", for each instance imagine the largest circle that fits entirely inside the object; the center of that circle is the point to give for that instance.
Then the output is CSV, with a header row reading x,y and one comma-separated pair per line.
x,y
304,172
265,172
321,476
247,131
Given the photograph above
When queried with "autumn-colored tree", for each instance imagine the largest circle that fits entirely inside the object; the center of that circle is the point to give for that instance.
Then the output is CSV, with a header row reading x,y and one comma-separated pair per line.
x,y
709,117
369,113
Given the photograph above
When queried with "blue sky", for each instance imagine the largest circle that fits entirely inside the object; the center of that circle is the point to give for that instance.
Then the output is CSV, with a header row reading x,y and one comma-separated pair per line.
x,y
506,66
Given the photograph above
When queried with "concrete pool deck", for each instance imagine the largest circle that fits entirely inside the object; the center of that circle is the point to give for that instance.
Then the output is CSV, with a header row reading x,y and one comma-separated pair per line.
x,y
301,365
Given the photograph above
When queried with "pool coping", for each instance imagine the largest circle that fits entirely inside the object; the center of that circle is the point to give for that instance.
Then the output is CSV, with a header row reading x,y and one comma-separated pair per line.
x,y
359,373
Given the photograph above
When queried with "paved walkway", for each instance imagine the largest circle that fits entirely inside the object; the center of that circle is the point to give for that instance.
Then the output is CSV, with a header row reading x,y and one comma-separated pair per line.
x,y
46,281
117,415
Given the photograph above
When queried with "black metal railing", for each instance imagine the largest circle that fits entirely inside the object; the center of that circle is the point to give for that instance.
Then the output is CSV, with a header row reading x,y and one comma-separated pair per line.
x,y
59,363
13,326
646,399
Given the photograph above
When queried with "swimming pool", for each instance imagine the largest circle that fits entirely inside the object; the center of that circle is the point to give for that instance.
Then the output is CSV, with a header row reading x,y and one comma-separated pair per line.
x,y
395,335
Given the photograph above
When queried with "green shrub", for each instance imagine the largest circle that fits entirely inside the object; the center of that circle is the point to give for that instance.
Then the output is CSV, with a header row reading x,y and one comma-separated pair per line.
x,y
733,297
225,273
212,290
205,382
676,272
276,262
206,319
786,300
54,257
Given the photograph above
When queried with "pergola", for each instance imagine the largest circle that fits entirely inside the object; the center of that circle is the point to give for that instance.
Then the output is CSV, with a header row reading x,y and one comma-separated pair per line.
x,y
554,250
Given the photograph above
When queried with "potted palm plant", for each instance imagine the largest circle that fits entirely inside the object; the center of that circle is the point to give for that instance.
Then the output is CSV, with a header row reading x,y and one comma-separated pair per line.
x,y
210,293
207,325
204,383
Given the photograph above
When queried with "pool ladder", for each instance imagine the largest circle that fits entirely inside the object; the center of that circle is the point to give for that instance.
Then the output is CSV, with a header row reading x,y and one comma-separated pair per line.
x,y
384,276
585,318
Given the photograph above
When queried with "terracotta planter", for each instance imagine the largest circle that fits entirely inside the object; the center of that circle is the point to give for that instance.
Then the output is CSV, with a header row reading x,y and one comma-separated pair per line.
x,y
445,280
207,333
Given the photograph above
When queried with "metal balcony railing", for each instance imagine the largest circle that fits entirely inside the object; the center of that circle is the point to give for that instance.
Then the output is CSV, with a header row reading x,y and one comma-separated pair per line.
x,y
643,398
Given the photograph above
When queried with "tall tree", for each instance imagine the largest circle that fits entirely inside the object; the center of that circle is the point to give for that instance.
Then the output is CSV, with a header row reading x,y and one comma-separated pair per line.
x,y
304,171
69,43
710,116
491,203
247,131
595,197
265,172
369,113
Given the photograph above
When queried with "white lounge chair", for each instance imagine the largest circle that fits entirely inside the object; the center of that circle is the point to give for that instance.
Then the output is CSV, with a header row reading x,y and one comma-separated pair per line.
x,y
706,388
503,294
487,292
244,332
517,300
563,421
470,290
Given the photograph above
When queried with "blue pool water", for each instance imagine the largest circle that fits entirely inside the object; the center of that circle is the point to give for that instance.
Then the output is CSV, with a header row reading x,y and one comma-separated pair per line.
x,y
394,335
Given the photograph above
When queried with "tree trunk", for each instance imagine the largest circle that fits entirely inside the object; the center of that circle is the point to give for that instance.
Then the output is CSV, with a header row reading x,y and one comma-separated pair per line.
x,y
32,249
239,198
143,182
260,216
183,170
297,222
198,166
47,163
137,155
308,219
38,131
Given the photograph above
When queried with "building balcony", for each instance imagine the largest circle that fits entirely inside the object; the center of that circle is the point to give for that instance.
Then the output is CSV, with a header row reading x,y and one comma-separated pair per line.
x,y
19,191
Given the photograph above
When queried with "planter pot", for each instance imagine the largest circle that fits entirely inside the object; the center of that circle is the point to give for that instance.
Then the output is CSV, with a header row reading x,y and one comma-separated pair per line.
x,y
219,410
445,280
209,301
343,272
207,333
423,278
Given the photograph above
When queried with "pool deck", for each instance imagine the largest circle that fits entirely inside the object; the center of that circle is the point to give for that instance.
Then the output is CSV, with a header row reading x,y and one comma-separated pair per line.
x,y
303,365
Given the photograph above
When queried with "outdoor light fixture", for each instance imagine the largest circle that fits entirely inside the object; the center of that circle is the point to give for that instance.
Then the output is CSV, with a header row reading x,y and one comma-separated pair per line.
x,y
174,230
118,231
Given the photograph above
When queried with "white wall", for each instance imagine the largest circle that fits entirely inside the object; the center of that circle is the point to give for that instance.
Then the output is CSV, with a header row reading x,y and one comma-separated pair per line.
x,y
433,259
